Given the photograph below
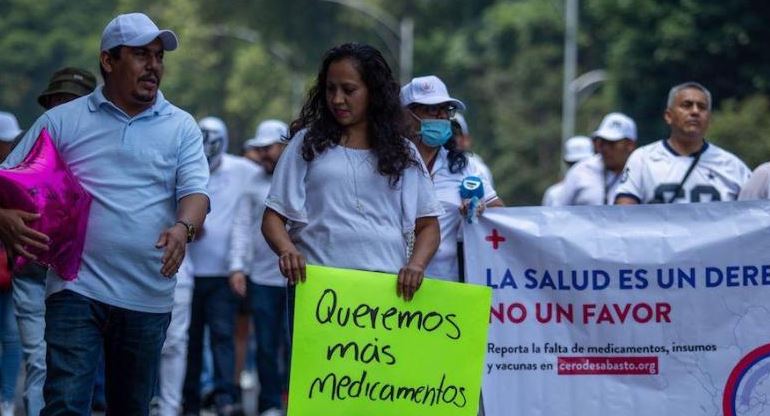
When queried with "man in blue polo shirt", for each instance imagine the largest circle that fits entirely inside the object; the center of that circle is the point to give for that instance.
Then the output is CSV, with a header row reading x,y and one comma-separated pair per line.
x,y
141,158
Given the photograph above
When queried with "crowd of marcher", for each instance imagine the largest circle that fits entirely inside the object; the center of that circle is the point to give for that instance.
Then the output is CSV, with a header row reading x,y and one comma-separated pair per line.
x,y
366,177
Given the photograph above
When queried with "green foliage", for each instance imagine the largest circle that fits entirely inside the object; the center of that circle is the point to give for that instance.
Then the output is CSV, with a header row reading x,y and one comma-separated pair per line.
x,y
249,60
743,127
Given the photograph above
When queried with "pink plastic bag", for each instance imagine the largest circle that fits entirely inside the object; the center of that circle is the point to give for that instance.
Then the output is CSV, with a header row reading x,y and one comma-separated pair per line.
x,y
43,183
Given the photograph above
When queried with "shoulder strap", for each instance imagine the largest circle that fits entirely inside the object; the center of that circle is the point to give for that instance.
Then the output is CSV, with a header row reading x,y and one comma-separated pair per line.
x,y
686,175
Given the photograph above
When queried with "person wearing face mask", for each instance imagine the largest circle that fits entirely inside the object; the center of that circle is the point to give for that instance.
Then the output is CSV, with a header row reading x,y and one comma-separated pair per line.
x,y
213,301
429,109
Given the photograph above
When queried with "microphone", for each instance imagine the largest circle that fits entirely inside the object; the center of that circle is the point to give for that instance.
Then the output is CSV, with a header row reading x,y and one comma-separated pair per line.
x,y
471,188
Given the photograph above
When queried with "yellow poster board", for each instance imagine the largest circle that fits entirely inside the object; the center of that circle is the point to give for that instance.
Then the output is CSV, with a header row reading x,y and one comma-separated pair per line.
x,y
358,349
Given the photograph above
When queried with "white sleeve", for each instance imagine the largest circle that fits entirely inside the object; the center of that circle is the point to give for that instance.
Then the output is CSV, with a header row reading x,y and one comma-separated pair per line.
x,y
476,169
631,179
241,240
287,189
758,185
418,196
569,190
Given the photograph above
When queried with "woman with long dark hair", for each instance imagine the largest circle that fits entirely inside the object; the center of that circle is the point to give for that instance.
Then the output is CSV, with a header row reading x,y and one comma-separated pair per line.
x,y
349,185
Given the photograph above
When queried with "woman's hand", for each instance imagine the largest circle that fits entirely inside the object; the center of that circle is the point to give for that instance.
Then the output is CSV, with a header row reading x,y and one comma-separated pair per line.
x,y
409,280
292,265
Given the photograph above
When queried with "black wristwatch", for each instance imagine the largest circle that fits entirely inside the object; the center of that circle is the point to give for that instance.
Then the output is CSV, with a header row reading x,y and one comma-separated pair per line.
x,y
190,230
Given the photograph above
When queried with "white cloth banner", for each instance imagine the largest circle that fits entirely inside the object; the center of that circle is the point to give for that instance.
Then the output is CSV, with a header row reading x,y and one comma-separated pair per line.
x,y
641,310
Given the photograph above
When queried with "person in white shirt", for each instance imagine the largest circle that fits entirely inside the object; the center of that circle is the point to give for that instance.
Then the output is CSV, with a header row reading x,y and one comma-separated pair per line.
x,y
265,286
593,181
464,142
685,167
758,185
429,108
349,185
214,303
576,148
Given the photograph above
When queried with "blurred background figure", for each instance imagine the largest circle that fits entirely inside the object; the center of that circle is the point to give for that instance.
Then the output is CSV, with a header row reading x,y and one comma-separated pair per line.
x,y
9,130
265,285
593,180
464,142
66,84
576,148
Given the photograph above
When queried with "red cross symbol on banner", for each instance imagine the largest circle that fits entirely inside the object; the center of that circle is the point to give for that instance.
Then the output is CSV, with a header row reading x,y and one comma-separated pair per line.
x,y
495,238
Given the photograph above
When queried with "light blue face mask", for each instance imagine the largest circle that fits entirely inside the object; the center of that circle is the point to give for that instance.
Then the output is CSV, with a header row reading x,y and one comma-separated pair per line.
x,y
435,132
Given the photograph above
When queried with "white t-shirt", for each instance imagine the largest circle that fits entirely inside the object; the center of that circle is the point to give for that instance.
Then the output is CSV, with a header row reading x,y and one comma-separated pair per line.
x,y
653,173
343,212
551,194
210,255
588,183
758,185
483,169
447,185
250,252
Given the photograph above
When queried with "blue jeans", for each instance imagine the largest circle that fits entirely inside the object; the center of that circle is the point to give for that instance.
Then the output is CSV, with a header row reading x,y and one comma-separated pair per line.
x,y
268,306
77,330
213,306
10,352
29,301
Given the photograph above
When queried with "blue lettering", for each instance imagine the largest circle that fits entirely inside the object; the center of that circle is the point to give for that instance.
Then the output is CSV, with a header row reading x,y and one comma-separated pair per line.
x,y
750,273
717,276
529,276
641,278
508,280
732,276
547,281
606,279
625,279
489,279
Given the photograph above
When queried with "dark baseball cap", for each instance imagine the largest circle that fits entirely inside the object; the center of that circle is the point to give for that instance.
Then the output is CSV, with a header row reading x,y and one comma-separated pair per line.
x,y
75,81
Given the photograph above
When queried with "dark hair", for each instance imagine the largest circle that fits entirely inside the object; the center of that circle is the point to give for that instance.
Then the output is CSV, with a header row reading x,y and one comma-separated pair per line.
x,y
386,127
457,158
114,54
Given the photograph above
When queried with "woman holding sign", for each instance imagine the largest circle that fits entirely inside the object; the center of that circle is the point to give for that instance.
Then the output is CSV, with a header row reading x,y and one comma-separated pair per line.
x,y
349,185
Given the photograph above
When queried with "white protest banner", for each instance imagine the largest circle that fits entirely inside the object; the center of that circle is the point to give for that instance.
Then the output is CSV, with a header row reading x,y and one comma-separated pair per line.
x,y
641,310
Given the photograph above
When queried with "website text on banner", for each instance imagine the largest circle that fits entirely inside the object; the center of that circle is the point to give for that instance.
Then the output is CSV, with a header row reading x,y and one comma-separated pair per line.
x,y
358,349
654,309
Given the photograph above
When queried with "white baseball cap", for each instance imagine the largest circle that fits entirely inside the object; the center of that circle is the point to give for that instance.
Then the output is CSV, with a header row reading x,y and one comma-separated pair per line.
x,y
135,29
616,126
578,148
9,127
268,132
427,90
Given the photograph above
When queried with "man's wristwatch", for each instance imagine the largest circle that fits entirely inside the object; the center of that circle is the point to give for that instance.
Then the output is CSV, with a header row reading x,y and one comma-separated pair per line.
x,y
190,230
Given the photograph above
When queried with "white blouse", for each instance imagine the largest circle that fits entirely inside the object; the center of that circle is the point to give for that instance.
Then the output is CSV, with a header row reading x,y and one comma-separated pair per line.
x,y
343,213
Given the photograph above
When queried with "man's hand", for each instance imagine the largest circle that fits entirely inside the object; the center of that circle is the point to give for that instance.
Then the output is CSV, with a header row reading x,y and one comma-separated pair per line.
x,y
174,240
409,280
238,283
16,234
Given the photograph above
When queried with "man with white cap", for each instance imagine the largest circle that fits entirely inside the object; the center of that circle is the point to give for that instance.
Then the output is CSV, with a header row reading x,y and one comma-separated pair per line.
x,y
685,167
429,108
592,181
9,129
265,285
576,149
214,303
141,158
